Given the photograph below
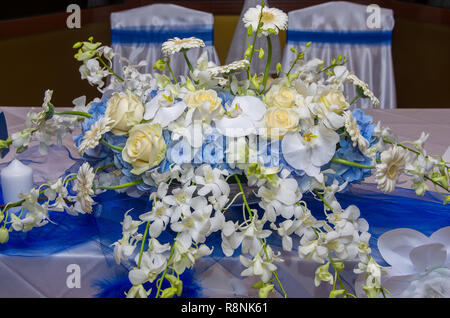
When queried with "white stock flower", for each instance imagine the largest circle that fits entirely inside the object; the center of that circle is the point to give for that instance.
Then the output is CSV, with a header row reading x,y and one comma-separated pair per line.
x,y
92,137
273,20
176,44
393,162
83,188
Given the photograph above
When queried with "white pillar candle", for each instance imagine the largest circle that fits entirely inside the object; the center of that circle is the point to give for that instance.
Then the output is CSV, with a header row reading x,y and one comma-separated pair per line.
x,y
16,178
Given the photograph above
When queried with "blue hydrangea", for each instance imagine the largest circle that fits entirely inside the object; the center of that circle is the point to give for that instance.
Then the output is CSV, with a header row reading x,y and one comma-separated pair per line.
x,y
212,151
345,172
365,123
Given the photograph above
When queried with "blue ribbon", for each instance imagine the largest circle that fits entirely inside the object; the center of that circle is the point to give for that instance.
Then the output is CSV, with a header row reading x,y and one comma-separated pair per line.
x,y
157,35
341,37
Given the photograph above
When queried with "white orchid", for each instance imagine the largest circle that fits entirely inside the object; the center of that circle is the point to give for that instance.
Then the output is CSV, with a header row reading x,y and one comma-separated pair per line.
x,y
159,216
257,267
279,199
181,200
311,150
194,226
163,108
243,118
184,255
212,181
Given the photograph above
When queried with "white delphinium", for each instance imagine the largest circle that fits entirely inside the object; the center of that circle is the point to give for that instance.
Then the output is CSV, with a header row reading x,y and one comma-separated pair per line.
x,y
279,199
138,291
308,223
180,199
352,128
152,263
274,20
417,168
176,44
83,188
211,181
393,162
159,216
194,226
92,137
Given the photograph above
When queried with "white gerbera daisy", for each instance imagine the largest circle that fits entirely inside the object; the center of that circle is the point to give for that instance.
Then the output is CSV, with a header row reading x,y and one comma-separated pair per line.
x,y
92,137
273,19
355,134
393,162
83,187
175,45
234,66
352,78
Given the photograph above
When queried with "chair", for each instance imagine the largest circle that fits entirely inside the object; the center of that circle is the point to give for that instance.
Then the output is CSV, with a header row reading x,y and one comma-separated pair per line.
x,y
138,34
239,44
343,28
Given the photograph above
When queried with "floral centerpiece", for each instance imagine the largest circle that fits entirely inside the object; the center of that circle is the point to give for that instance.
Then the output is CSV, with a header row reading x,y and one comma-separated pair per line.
x,y
188,142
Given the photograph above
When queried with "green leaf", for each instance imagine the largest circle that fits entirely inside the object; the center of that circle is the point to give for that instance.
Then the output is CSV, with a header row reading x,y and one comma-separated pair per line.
x,y
51,111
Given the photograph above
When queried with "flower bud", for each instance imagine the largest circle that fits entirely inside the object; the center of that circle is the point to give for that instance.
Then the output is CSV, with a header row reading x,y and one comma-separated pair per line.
x,y
4,235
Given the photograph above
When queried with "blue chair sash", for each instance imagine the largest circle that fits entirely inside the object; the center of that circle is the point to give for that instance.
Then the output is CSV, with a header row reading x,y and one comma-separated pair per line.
x,y
378,37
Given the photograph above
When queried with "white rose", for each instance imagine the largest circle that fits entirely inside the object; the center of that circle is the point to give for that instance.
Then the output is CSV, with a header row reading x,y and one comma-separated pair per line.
x,y
206,101
334,101
125,110
281,97
280,120
145,147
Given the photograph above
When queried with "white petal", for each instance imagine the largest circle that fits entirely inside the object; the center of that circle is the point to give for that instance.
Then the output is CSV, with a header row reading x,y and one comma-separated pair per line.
x,y
426,257
235,127
165,115
137,276
443,236
396,245
295,152
251,106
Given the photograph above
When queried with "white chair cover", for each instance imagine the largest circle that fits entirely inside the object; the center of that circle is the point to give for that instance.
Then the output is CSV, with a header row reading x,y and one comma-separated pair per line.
x,y
239,44
138,34
341,28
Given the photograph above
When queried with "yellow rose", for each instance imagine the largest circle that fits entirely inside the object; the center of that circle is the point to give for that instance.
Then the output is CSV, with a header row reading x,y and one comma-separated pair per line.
x,y
280,120
281,97
145,147
125,110
334,101
201,98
